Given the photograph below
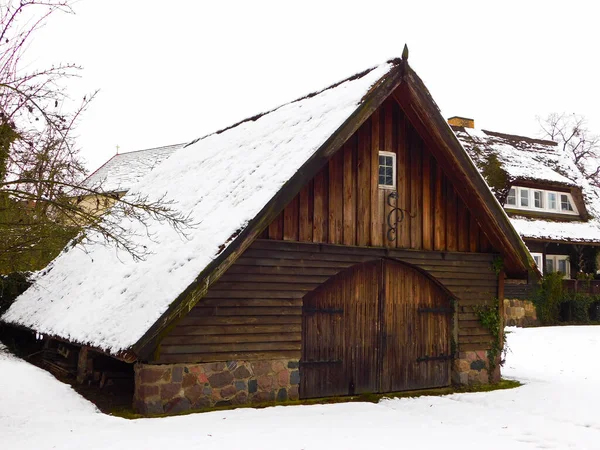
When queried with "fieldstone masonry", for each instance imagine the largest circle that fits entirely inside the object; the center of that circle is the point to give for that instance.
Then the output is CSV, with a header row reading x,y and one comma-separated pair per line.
x,y
472,368
174,388
519,313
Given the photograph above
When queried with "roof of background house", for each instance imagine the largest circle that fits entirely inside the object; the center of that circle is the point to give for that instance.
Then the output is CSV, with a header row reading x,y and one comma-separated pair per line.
x,y
536,160
123,170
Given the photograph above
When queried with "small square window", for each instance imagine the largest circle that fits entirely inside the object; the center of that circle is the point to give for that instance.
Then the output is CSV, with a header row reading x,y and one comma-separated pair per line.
x,y
551,200
524,197
538,199
565,203
512,197
387,170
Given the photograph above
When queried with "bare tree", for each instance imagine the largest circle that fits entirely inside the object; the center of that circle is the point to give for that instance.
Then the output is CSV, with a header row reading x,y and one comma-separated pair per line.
x,y
575,138
41,171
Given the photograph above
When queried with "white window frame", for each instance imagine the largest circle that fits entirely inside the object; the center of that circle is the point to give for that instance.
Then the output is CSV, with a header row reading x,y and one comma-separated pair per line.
x,y
542,198
512,189
393,185
556,258
545,201
521,192
541,264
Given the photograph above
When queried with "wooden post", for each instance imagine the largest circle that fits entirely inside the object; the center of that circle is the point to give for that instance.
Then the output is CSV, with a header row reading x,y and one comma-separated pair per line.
x,y
82,365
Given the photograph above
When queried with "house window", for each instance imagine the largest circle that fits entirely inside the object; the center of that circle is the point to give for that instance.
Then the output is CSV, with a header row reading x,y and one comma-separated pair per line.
x,y
565,203
551,200
512,197
558,263
538,258
387,170
538,199
524,197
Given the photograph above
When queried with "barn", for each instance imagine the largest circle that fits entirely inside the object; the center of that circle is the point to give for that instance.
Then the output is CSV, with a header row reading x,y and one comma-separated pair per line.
x,y
344,243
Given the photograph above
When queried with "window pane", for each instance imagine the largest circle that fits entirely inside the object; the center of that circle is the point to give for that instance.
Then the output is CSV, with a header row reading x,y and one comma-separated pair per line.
x,y
538,196
525,197
381,160
562,266
381,178
389,181
549,264
565,204
389,171
551,200
512,197
389,161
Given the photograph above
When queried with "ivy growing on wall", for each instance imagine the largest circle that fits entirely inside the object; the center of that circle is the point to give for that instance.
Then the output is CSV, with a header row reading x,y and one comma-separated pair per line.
x,y
490,319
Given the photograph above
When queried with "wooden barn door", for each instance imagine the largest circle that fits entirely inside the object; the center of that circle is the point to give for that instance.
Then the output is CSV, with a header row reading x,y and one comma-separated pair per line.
x,y
416,350
339,334
377,327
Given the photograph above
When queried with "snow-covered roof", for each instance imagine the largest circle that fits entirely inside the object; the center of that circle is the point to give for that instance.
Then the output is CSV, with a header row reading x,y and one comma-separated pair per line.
x,y
123,170
103,298
536,160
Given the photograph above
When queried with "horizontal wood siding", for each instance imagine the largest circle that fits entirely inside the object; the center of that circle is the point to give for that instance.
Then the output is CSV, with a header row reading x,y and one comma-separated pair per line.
x,y
343,204
254,311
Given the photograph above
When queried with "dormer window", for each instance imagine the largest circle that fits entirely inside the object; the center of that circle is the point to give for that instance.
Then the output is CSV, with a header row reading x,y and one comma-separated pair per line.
x,y
540,200
387,170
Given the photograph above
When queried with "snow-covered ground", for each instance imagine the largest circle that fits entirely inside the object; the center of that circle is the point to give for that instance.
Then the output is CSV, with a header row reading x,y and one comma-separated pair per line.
x,y
558,407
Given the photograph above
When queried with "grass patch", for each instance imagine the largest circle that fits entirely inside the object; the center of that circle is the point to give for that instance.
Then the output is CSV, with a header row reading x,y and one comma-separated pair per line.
x,y
368,398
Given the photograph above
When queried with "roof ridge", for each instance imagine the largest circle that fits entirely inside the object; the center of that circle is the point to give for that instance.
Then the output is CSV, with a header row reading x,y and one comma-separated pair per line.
x,y
522,138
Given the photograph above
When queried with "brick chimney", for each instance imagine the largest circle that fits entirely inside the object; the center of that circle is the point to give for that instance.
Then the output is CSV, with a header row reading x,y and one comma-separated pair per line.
x,y
461,122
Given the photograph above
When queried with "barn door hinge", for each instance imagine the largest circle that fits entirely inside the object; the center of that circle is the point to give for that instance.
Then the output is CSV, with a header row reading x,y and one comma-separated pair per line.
x,y
436,310
435,358
323,311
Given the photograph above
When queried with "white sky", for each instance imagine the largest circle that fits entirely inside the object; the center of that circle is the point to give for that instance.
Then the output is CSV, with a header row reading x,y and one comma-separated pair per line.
x,y
170,71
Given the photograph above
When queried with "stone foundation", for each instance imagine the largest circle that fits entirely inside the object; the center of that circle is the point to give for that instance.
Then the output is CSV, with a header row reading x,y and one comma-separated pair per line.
x,y
519,313
472,368
174,388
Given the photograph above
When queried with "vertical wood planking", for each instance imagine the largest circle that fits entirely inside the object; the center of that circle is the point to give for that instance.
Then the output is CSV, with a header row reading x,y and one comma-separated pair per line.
x,y
402,181
349,188
473,234
363,197
321,206
376,212
416,191
387,143
463,226
290,220
451,231
305,213
336,197
276,227
427,203
439,237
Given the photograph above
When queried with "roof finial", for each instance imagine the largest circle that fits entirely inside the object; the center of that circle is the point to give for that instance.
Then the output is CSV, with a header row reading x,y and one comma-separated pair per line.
x,y
118,147
405,53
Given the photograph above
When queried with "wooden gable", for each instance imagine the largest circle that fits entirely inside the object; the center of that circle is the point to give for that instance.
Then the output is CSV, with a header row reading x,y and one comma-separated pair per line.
x,y
343,204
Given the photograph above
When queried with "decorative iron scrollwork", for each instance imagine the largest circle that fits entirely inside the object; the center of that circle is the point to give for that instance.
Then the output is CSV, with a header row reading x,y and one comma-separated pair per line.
x,y
392,232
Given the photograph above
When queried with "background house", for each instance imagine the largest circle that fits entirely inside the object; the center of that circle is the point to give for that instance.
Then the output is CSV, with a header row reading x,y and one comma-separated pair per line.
x,y
550,203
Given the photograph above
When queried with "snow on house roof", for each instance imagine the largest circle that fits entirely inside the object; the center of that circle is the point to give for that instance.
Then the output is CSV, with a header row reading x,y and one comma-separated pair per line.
x,y
103,298
528,159
123,170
